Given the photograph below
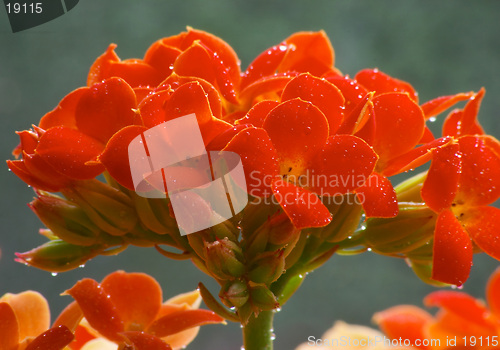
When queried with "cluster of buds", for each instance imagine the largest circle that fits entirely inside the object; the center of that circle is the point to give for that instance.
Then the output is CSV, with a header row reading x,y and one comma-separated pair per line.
x,y
317,148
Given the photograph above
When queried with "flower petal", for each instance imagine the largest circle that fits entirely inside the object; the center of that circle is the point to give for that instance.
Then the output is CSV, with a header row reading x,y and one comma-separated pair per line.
x,y
70,316
304,208
452,251
105,108
480,179
179,321
191,98
67,151
399,124
460,305
36,173
438,105
403,321
343,165
441,185
100,67
9,329
265,64
259,160
298,130
483,225
32,312
144,341
414,158
321,93
258,113
97,308
54,339
493,293
136,296
64,113
312,53
375,80
161,57
378,197
265,86
353,92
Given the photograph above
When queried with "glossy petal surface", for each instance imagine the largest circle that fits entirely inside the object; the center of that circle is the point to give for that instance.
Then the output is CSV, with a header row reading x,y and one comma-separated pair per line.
x,y
452,252
375,80
303,207
128,293
179,321
53,339
441,185
378,197
483,225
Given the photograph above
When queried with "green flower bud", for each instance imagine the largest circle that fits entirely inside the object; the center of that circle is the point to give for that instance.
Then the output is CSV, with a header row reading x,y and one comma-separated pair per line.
x,y
411,229
224,258
409,190
111,210
58,256
234,294
263,299
65,219
267,268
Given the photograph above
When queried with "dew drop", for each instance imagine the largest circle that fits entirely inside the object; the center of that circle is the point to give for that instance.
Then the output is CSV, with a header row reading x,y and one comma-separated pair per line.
x,y
273,336
81,266
54,274
432,119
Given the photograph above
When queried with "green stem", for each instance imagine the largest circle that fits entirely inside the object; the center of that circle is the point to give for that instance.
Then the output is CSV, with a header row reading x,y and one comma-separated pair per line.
x,y
258,332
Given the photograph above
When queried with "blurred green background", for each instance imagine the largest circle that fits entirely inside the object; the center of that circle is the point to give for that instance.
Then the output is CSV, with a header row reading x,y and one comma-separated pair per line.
x,y
441,47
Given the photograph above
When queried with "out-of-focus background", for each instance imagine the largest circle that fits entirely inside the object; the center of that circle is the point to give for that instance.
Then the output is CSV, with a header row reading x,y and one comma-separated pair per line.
x,y
441,47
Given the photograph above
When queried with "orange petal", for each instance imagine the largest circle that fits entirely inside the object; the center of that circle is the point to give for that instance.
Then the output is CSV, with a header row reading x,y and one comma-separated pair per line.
x,y
460,305
483,225
144,341
493,293
32,312
115,157
191,98
258,113
151,108
358,116
259,160
70,316
298,130
378,198
452,251
399,124
265,86
64,113
265,64
67,151
100,68
353,92
452,125
304,208
136,296
441,185
179,321
9,330
404,321
438,105
54,339
428,136
470,112
105,108
343,165
321,93
161,57
480,179
375,80
312,53
414,158
214,98
34,179
97,308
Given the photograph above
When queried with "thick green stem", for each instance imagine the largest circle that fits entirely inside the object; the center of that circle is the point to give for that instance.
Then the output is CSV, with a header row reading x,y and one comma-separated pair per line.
x,y
258,333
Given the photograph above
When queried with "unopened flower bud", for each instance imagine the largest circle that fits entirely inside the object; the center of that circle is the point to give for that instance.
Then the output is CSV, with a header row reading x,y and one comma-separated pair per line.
x,y
224,259
111,210
65,219
267,268
411,229
409,190
263,299
234,293
58,256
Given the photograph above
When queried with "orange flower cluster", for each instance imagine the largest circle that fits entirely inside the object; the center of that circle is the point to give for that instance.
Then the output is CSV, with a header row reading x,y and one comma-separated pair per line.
x,y
462,321
306,134
125,311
